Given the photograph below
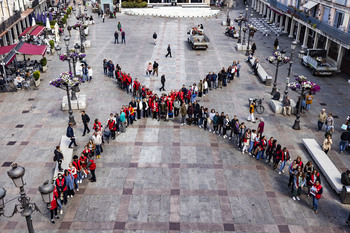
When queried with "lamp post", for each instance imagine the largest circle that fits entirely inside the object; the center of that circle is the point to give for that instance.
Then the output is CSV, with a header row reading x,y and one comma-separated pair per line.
x,y
66,42
292,46
303,85
240,26
296,125
25,208
245,22
279,57
250,34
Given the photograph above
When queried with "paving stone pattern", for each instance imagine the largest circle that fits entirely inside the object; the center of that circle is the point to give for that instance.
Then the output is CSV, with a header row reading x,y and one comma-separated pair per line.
x,y
158,176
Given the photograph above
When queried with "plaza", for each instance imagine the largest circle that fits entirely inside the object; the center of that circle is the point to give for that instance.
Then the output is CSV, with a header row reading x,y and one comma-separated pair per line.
x,y
162,176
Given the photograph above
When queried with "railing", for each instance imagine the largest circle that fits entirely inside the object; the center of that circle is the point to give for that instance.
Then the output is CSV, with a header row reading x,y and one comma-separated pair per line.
x,y
314,22
35,3
7,23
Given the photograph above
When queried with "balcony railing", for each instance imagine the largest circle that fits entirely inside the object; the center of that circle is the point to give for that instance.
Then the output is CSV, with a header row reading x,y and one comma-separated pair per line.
x,y
7,23
314,22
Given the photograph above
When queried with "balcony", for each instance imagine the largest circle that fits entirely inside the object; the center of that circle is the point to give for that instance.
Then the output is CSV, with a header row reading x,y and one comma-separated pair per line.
x,y
314,22
7,23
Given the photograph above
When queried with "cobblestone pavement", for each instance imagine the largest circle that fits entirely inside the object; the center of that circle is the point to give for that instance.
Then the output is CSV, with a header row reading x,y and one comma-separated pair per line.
x,y
158,176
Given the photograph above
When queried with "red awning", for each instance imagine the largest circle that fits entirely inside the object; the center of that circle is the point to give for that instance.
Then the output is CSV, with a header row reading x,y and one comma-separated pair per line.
x,y
37,31
30,49
27,30
6,49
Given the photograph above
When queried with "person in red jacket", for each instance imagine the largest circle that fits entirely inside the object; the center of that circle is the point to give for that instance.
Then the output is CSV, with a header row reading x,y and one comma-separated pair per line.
x,y
154,109
92,166
285,156
316,192
76,163
61,186
83,161
277,156
111,123
53,208
136,87
315,176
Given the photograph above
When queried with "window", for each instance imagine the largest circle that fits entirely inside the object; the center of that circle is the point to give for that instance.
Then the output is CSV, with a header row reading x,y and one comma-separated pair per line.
x,y
326,13
338,20
341,2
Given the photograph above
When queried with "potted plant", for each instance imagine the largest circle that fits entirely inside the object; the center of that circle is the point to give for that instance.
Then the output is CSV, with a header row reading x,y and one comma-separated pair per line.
x,y
36,76
43,62
52,46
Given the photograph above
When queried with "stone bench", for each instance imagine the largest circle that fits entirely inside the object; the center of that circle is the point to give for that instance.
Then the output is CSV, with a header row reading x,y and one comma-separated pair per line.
x,y
264,77
327,167
277,106
67,155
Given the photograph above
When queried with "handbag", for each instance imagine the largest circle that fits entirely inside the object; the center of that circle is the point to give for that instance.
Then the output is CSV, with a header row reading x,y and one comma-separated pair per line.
x,y
209,120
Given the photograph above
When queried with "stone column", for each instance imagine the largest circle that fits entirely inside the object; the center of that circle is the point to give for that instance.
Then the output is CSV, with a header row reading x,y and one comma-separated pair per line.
x,y
27,22
262,8
328,44
315,40
298,33
306,37
281,21
340,56
15,32
268,14
292,23
286,25
20,29
10,37
4,39
276,17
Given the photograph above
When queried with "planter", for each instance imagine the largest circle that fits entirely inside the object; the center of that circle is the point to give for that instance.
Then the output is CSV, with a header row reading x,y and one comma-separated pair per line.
x,y
44,68
37,82
53,51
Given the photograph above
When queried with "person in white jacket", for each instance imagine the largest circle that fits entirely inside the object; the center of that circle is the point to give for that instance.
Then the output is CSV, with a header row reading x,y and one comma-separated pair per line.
x,y
97,139
90,73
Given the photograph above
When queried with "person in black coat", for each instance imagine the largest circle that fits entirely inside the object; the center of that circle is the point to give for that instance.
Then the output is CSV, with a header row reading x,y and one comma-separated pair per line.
x,y
162,80
86,119
169,51
116,36
155,38
70,135
58,157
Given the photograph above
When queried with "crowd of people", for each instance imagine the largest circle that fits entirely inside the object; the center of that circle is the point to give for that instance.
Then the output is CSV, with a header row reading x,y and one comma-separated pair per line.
x,y
183,104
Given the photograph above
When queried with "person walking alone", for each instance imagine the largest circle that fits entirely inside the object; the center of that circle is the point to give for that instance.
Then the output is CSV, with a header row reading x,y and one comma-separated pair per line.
x,y
70,135
169,51
86,119
123,37
116,36
275,44
155,37
162,80
155,67
251,113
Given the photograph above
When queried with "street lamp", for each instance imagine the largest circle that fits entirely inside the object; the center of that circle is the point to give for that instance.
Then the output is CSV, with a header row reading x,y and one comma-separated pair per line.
x,y
292,46
245,23
240,26
25,208
278,57
305,85
251,31
66,42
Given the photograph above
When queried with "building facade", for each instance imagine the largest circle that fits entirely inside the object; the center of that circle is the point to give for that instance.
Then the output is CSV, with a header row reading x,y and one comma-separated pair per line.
x,y
14,18
314,24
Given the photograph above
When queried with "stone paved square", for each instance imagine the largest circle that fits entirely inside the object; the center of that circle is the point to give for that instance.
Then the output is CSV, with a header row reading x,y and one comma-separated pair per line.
x,y
162,176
